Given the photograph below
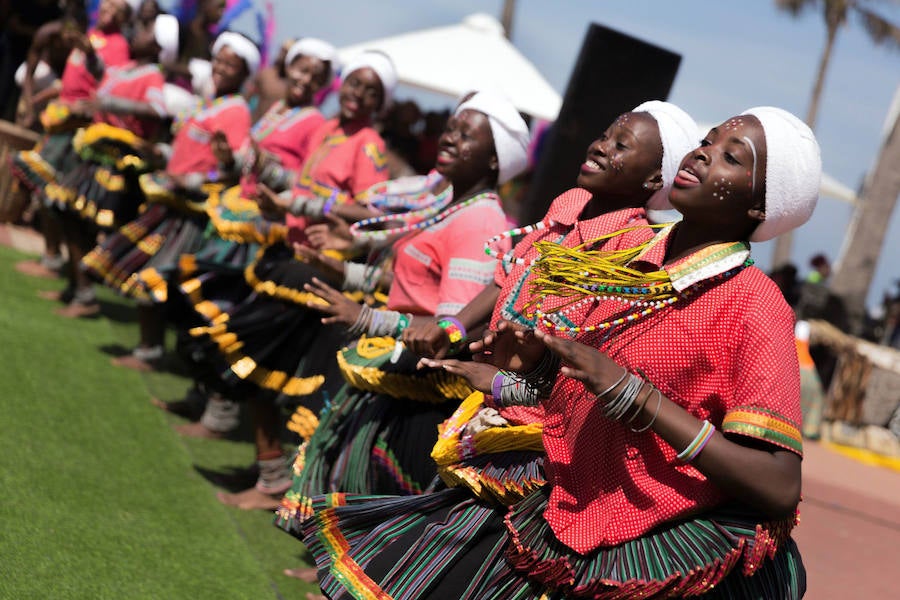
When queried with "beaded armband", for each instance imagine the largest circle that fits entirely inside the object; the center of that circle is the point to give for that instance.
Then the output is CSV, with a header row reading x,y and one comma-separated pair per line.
x,y
455,331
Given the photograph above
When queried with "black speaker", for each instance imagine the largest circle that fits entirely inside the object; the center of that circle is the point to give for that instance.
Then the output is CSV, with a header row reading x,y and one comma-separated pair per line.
x,y
614,73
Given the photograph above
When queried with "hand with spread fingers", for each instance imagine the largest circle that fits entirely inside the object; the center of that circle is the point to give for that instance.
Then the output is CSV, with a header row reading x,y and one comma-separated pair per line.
x,y
333,235
342,309
510,347
478,374
270,202
331,268
583,363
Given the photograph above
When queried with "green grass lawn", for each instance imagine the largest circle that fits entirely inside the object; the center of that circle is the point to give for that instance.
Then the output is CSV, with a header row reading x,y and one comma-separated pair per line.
x,y
100,497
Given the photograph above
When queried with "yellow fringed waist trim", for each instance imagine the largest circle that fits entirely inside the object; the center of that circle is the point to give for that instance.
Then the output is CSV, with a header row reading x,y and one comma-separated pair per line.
x,y
452,447
434,387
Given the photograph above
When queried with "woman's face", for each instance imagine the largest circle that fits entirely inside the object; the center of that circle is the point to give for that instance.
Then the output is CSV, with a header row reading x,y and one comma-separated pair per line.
x,y
228,71
623,158
148,11
111,13
466,148
723,181
306,75
361,94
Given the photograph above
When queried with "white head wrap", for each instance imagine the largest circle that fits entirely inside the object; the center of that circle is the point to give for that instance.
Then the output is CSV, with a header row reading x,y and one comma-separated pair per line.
x,y
383,66
793,172
317,49
679,134
241,46
508,129
165,30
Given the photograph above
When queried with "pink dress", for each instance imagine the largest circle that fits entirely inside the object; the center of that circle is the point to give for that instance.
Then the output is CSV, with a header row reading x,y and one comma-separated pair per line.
x,y
141,84
78,83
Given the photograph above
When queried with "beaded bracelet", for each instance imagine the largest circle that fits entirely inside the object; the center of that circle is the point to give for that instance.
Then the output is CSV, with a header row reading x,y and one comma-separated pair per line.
x,y
326,208
497,385
402,323
698,443
455,331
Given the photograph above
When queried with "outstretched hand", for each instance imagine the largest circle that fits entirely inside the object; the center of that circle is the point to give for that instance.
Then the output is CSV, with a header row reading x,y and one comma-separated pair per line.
x,y
593,368
479,375
342,309
269,202
334,234
332,268
510,347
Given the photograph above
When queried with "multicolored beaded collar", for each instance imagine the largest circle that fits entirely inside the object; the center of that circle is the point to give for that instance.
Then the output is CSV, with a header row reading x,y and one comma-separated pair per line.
x,y
588,277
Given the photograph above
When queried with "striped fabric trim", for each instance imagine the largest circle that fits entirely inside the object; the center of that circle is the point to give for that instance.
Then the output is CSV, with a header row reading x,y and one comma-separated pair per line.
x,y
765,425
476,271
449,308
383,456
343,568
709,262
417,254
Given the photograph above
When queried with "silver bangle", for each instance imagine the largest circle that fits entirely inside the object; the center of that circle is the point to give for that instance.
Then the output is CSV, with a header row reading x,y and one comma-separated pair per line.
x,y
655,414
613,386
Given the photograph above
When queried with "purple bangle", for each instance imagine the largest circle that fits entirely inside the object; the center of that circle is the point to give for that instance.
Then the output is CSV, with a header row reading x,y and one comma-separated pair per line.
x,y
326,208
497,386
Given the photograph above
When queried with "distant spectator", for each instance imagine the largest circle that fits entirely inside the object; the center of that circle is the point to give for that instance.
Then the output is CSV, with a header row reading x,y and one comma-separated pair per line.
x,y
785,277
821,269
22,20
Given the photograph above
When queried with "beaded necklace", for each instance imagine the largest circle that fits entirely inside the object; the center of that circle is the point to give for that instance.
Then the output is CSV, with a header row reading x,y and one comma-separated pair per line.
x,y
414,220
509,258
273,118
198,109
394,196
648,307
589,276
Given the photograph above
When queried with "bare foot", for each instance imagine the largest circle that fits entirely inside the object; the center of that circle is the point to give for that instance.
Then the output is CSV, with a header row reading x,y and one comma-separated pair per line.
x,y
198,430
307,574
251,499
34,268
312,596
77,310
129,361
57,295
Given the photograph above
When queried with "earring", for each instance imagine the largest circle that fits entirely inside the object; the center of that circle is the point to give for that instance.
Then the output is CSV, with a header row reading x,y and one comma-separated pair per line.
x,y
646,186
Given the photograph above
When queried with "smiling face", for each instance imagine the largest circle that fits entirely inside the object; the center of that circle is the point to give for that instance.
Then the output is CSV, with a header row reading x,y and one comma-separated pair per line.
x,y
305,76
361,94
624,158
466,148
722,182
228,71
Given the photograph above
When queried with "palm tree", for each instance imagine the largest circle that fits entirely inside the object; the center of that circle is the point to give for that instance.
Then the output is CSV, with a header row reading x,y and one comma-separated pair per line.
x,y
835,13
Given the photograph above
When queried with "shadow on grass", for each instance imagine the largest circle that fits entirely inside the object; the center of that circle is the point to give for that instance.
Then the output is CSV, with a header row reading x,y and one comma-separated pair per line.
x,y
231,479
118,311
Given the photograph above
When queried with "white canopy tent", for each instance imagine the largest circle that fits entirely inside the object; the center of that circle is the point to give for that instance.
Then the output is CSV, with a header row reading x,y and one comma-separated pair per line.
x,y
457,59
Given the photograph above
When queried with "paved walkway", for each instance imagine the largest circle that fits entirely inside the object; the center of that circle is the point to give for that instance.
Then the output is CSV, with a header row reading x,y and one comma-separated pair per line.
x,y
849,532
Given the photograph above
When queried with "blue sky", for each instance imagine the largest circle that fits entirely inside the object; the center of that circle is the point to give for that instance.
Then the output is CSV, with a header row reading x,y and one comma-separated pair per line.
x,y
734,55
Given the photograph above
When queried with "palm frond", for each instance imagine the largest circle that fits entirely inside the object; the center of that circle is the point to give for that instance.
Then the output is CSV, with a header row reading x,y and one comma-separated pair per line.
x,y
880,30
795,7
